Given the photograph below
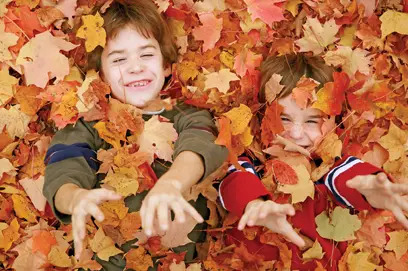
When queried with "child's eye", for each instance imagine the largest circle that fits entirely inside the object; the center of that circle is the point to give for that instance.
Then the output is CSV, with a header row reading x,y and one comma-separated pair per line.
x,y
284,119
147,55
312,121
119,60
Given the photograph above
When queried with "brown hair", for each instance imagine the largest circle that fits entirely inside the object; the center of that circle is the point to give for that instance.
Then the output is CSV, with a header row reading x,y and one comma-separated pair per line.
x,y
144,17
292,67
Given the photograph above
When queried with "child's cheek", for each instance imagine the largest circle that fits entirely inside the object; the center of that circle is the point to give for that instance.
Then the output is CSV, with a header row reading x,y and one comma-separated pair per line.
x,y
314,132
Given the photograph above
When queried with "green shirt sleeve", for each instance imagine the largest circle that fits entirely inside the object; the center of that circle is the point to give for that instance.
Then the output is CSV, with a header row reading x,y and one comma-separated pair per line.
x,y
196,132
74,170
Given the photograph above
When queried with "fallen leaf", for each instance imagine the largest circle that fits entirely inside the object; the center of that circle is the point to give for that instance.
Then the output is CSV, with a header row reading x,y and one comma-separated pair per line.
x,y
220,80
398,243
393,21
42,60
273,88
33,188
317,36
59,258
92,31
394,142
3,5
103,246
360,261
271,123
209,32
6,167
6,40
15,121
265,10
371,231
9,235
315,252
329,148
393,264
341,226
28,100
304,92
302,189
240,118
138,259
283,173
349,60
157,139
124,181
246,61
130,225
43,240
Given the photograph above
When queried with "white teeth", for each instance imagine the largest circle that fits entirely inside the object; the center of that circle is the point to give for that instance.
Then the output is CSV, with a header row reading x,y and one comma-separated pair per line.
x,y
139,84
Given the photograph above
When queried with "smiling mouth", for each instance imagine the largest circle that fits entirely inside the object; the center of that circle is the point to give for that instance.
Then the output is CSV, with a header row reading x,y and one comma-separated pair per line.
x,y
141,83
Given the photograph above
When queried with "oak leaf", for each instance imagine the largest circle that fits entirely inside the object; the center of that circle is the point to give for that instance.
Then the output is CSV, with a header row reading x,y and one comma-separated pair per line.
x,y
103,246
398,243
209,32
220,80
42,60
265,10
92,31
157,139
317,36
341,226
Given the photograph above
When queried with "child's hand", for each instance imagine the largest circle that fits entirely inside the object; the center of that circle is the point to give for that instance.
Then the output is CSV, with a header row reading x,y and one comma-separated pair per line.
x,y
163,197
273,216
85,202
383,194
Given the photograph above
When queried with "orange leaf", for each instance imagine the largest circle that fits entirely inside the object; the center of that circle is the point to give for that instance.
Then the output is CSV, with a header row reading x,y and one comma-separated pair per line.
x,y
138,259
271,123
283,173
43,241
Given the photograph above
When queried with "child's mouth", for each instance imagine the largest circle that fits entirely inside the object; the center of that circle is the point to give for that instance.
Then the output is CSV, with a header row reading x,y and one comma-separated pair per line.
x,y
140,84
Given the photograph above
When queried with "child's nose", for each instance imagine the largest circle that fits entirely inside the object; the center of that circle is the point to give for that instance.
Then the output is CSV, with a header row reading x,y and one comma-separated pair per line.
x,y
135,67
296,131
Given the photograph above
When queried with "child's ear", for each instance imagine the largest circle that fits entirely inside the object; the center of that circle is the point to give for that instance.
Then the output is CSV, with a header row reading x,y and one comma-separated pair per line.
x,y
167,70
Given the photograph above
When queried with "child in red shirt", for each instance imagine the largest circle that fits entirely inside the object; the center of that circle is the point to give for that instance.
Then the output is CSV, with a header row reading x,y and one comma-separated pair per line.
x,y
351,183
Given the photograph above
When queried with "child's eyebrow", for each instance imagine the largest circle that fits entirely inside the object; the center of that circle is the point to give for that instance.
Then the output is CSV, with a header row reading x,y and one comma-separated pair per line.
x,y
315,116
140,48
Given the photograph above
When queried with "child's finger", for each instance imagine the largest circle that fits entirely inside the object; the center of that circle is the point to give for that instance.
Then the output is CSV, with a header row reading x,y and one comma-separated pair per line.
x,y
294,237
192,211
147,219
399,188
253,215
101,194
162,214
399,215
178,211
94,211
77,248
287,209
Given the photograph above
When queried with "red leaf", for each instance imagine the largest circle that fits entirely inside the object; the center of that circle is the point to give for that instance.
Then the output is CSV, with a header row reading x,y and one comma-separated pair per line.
x,y
284,173
271,123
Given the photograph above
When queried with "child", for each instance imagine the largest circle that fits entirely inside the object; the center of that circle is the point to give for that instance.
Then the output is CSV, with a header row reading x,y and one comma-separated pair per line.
x,y
351,183
135,62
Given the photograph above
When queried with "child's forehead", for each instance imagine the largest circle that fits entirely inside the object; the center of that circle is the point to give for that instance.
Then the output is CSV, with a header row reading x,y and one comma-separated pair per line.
x,y
131,36
132,31
290,107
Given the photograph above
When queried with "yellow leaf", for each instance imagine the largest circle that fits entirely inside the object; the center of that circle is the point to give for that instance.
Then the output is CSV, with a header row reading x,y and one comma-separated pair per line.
x,y
227,58
137,259
58,257
292,6
350,60
348,36
246,138
304,187
124,181
220,80
103,246
359,262
114,211
9,235
16,122
394,142
240,118
110,136
91,75
340,227
315,252
6,40
398,243
7,83
393,21
23,209
74,75
187,70
30,3
401,112
157,139
92,31
329,148
3,9
8,189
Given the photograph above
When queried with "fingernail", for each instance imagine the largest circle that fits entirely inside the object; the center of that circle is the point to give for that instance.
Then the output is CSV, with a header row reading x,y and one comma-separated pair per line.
x,y
148,232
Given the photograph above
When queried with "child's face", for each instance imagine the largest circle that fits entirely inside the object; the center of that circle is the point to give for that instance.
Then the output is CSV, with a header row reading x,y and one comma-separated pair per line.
x,y
133,66
302,126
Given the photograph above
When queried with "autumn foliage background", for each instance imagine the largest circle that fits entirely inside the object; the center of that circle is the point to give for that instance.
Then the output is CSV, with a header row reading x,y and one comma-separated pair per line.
x,y
43,87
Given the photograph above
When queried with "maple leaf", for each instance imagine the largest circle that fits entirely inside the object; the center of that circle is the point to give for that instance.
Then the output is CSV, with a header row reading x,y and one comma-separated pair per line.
x,y
124,181
331,97
25,20
48,15
43,240
371,231
65,112
393,21
315,252
92,31
401,112
6,40
30,3
273,87
377,156
103,245
28,100
15,121
340,227
317,36
27,260
7,85
33,188
3,7
23,208
350,60
187,70
304,92
398,243
283,173
240,118
9,235
359,261
302,189
245,61
393,264
220,80
42,60
265,10
138,259
114,211
86,262
209,32
157,138
394,142
162,5
271,123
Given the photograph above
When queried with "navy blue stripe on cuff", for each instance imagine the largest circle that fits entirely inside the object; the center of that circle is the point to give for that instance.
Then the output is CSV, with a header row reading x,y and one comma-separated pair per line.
x,y
61,152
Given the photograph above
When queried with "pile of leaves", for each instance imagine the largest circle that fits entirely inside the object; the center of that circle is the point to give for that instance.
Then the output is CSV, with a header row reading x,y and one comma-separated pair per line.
x,y
43,87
